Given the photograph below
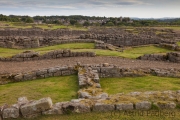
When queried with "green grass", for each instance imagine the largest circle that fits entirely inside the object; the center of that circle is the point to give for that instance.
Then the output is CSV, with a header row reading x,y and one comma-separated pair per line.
x,y
122,115
42,26
6,52
146,83
130,52
178,43
81,47
62,88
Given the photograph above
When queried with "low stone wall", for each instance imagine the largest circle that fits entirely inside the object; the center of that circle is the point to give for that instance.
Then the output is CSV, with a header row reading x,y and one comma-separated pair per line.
x,y
106,46
174,57
170,57
40,32
170,46
92,98
124,39
104,70
31,55
153,57
35,42
43,73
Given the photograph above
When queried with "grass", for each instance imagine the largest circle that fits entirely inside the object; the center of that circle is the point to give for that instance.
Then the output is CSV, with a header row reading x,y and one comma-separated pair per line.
x,y
146,83
62,88
6,52
178,43
122,115
42,26
81,47
130,52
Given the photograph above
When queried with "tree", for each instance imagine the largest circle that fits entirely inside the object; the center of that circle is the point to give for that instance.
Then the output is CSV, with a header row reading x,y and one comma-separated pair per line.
x,y
110,24
29,20
86,23
73,22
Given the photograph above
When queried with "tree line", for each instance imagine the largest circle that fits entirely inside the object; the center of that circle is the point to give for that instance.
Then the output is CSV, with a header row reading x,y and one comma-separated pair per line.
x,y
89,21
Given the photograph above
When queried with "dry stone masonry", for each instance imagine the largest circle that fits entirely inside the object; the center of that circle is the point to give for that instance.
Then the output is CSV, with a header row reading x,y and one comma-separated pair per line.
x,y
91,98
171,57
33,38
31,55
99,71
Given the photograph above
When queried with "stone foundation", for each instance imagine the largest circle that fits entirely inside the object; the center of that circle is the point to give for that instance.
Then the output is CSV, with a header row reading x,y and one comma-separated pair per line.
x,y
92,98
56,54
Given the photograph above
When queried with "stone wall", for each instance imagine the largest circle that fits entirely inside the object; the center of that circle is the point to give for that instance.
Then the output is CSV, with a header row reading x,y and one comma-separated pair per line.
x,y
106,46
40,32
104,70
92,98
174,57
124,39
31,55
170,57
43,73
170,46
35,42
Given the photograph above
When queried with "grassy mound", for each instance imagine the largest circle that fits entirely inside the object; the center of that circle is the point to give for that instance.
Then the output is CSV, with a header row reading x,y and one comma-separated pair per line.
x,y
58,88
141,84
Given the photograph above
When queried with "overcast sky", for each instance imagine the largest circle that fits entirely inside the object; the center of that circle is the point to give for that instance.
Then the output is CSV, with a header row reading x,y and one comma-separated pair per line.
x,y
108,8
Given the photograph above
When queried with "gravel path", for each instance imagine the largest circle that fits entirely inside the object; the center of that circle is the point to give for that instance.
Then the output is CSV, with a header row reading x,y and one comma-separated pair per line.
x,y
16,67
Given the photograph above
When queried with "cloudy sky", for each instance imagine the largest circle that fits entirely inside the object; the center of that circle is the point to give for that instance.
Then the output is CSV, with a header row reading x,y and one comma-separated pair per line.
x,y
108,8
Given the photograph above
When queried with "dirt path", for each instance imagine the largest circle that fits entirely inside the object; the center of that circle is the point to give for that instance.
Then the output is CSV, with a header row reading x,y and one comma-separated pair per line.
x,y
16,67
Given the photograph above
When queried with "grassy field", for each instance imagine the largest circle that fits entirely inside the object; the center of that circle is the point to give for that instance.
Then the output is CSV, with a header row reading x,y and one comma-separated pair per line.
x,y
58,88
130,52
81,47
146,83
42,26
116,115
5,52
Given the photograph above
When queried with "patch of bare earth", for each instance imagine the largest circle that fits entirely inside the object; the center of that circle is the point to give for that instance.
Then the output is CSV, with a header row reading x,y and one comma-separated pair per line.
x,y
16,67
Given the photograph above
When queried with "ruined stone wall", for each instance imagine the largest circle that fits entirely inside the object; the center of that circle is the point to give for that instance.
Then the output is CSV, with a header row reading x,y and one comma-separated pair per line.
x,y
91,98
103,70
171,46
170,57
56,54
35,42
174,57
40,32
124,39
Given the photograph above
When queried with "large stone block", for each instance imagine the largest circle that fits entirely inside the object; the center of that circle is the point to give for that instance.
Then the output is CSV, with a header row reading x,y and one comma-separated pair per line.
x,y
11,112
101,107
75,107
35,108
165,105
56,109
144,105
124,106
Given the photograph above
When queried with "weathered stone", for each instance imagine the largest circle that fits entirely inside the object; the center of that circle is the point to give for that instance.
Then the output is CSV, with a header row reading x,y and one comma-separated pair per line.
x,y
124,106
75,107
11,112
165,105
22,100
105,64
36,107
83,94
56,109
144,105
101,107
18,77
